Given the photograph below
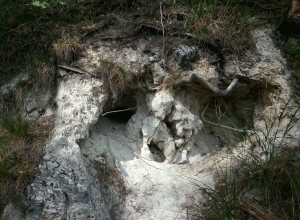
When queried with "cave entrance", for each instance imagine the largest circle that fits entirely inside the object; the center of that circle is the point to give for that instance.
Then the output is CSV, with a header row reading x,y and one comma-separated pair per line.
x,y
122,110
120,114
156,153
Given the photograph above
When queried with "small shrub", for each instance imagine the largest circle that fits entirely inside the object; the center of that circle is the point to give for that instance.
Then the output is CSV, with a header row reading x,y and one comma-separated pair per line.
x,y
107,175
291,51
66,48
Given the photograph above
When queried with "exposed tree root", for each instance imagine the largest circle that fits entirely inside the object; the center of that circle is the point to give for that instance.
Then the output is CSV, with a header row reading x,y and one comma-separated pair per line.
x,y
195,77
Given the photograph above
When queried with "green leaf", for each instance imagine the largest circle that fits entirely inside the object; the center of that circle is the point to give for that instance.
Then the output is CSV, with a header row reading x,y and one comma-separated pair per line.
x,y
42,5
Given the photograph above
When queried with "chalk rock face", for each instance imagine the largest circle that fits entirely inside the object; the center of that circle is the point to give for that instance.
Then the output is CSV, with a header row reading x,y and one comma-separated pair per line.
x,y
184,122
160,107
62,188
186,127
159,104
158,74
149,122
163,141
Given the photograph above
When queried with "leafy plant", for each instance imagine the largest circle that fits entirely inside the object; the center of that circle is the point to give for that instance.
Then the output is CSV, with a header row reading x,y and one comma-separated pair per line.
x,y
41,4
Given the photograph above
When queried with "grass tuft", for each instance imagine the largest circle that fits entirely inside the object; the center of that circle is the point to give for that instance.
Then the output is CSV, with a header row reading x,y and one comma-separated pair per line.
x,y
15,126
264,181
115,77
20,154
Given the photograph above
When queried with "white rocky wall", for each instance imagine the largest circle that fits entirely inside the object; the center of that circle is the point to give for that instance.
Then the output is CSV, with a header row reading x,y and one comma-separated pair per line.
x,y
162,149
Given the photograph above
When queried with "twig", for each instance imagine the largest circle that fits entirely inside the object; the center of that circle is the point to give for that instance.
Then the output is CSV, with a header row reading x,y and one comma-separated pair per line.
x,y
195,77
163,29
79,67
256,210
220,125
145,161
71,69
77,70
124,110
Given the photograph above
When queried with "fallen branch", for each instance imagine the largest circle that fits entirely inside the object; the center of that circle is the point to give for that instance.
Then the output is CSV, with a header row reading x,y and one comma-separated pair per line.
x,y
77,69
220,125
195,77
71,69
256,210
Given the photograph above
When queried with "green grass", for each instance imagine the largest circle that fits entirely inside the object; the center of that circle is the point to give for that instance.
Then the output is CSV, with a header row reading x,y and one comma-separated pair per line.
x,y
20,154
28,29
16,126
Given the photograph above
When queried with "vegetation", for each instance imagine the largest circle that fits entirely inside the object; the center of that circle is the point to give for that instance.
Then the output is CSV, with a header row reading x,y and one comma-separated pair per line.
x,y
264,181
37,35
20,154
115,77
108,175
47,32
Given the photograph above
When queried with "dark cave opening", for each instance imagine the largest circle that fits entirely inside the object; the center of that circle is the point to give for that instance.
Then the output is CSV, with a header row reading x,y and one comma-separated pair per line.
x,y
156,153
122,110
120,114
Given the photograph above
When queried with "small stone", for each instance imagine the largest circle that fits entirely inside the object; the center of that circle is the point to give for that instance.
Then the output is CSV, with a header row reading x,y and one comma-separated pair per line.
x,y
151,59
184,55
100,160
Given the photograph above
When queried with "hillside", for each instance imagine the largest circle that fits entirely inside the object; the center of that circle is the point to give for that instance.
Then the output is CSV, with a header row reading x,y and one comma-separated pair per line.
x,y
147,109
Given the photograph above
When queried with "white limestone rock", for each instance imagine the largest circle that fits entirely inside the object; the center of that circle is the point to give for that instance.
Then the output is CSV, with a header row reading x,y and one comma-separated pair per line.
x,y
184,122
159,104
158,74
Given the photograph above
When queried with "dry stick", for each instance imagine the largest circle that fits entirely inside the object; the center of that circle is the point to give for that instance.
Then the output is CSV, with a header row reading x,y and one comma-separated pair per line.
x,y
163,29
76,70
220,125
124,110
71,69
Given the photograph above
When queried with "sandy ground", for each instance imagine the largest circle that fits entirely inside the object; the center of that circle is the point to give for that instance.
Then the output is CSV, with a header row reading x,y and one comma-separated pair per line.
x,y
157,190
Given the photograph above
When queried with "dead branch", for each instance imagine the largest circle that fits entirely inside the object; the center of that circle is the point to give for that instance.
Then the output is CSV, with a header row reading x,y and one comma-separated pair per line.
x,y
195,77
256,210
77,69
163,29
71,69
220,125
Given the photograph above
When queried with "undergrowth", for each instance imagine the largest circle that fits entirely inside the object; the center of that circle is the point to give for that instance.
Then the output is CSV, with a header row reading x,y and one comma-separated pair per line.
x,y
116,78
20,154
263,182
49,32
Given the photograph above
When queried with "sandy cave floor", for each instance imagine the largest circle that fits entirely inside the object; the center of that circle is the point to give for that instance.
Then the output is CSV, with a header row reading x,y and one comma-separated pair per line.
x,y
157,190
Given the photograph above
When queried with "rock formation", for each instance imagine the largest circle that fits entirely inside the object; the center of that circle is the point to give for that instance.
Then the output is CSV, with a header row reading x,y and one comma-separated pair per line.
x,y
164,146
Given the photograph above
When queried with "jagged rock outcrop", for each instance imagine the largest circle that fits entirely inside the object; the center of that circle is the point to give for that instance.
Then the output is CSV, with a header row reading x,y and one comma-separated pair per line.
x,y
164,144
